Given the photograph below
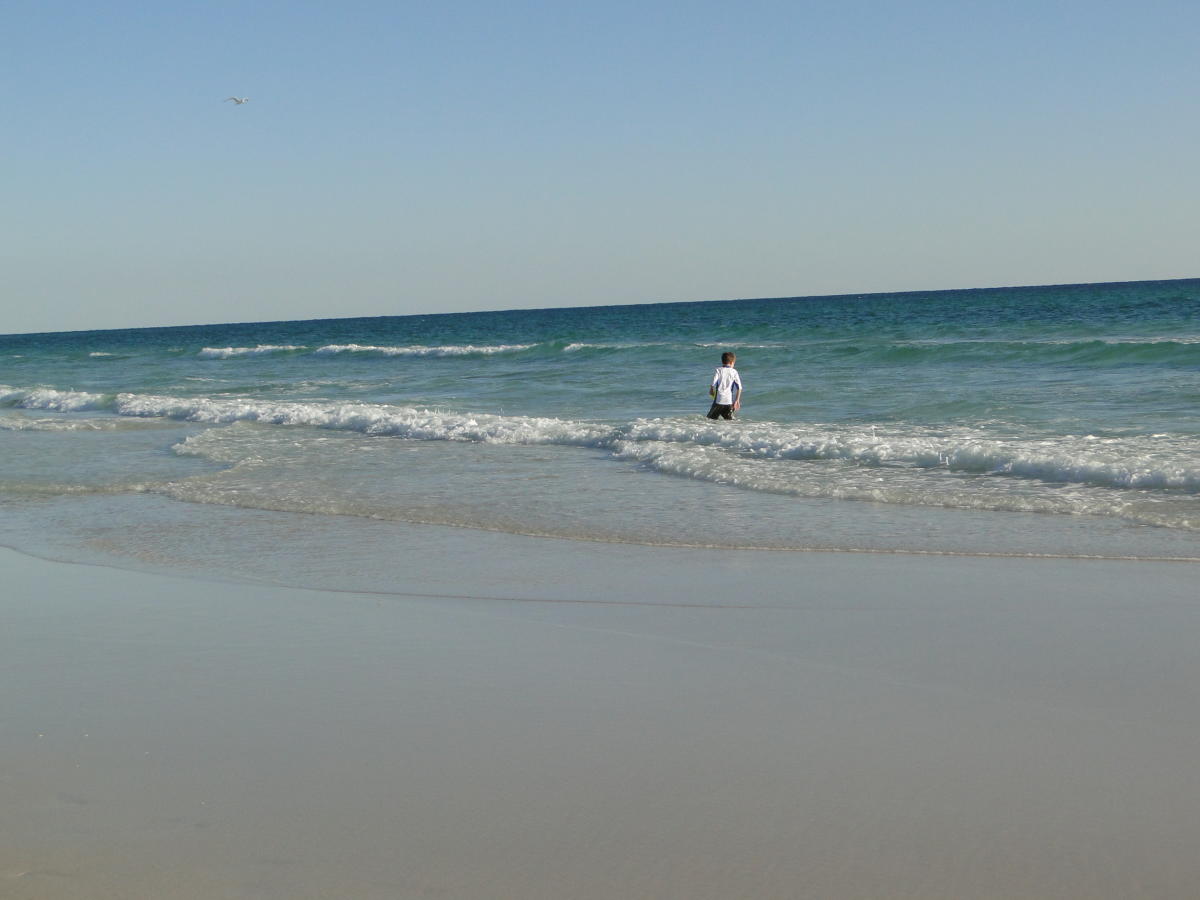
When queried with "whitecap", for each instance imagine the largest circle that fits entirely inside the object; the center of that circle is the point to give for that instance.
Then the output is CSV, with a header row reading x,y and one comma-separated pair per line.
x,y
260,350
420,350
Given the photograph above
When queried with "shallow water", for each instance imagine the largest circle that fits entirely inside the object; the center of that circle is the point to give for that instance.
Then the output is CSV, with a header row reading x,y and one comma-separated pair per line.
x,y
1027,421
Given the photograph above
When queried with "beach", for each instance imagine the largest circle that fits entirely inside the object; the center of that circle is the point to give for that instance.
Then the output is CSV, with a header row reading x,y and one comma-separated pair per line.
x,y
480,605
556,719
364,534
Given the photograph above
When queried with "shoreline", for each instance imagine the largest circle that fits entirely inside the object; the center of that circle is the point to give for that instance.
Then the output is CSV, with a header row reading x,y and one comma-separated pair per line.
x,y
350,554
837,727
122,564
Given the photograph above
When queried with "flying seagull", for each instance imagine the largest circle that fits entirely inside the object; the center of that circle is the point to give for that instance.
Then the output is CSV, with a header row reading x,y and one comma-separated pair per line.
x,y
238,100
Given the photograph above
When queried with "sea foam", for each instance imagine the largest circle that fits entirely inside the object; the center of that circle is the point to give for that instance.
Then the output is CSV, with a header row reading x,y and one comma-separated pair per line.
x,y
449,350
233,352
51,399
1147,462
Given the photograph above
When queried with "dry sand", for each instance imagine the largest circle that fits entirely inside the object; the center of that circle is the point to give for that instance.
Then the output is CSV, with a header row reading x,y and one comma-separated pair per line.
x,y
749,726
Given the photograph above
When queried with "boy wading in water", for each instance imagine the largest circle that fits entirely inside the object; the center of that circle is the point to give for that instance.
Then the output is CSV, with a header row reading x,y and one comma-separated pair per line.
x,y
726,389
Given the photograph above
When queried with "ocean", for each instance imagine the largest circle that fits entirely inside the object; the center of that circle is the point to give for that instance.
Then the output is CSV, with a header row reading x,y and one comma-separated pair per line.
x,y
1033,421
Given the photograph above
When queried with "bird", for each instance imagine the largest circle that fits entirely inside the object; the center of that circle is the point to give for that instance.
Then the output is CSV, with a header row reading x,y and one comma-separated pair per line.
x,y
238,100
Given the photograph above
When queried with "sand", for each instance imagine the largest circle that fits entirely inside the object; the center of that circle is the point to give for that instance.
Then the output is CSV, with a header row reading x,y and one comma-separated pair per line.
x,y
759,725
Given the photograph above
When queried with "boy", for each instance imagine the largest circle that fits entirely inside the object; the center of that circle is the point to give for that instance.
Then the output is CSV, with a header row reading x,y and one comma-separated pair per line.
x,y
726,389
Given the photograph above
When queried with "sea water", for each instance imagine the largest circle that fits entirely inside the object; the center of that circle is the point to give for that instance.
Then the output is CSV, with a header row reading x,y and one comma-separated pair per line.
x,y
1057,420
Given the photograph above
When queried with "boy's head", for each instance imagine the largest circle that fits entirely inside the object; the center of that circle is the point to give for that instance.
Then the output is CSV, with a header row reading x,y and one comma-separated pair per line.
x,y
728,359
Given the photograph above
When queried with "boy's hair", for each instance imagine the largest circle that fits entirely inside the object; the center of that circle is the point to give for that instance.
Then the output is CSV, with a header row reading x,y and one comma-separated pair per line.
x,y
727,358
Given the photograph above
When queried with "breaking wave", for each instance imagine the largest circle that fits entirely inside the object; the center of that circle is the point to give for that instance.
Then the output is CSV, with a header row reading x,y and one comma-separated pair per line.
x,y
1146,463
51,399
418,350
260,350
365,349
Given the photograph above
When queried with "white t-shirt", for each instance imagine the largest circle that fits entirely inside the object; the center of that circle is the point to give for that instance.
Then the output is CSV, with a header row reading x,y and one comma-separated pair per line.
x,y
723,380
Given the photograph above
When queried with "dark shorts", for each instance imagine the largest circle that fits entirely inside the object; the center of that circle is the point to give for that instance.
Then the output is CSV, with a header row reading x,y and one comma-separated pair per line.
x,y
721,411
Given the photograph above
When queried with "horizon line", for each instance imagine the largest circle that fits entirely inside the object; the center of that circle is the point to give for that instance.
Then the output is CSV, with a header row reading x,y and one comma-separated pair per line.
x,y
855,295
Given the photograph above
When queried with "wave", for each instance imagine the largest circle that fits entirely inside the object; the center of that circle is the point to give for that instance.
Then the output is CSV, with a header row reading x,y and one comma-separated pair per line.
x,y
1145,463
373,419
365,349
10,422
51,399
1153,350
260,350
683,347
739,346
576,346
914,487
419,350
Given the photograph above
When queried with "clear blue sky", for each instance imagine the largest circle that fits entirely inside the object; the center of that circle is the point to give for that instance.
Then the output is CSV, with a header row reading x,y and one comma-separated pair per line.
x,y
402,157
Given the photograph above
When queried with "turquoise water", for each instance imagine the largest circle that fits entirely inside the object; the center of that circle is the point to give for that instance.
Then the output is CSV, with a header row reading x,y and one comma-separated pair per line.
x,y
1044,420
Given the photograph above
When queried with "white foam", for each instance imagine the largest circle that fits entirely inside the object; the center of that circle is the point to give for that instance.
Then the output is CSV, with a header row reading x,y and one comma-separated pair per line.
x,y
772,345
419,350
585,345
1142,463
1134,462
62,401
366,349
910,486
25,423
260,350
376,419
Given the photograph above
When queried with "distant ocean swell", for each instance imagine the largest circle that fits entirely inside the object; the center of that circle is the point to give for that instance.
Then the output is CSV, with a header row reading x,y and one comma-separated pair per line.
x,y
1098,351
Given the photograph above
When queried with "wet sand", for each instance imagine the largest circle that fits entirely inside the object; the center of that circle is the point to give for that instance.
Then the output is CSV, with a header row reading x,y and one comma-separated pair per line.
x,y
758,725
